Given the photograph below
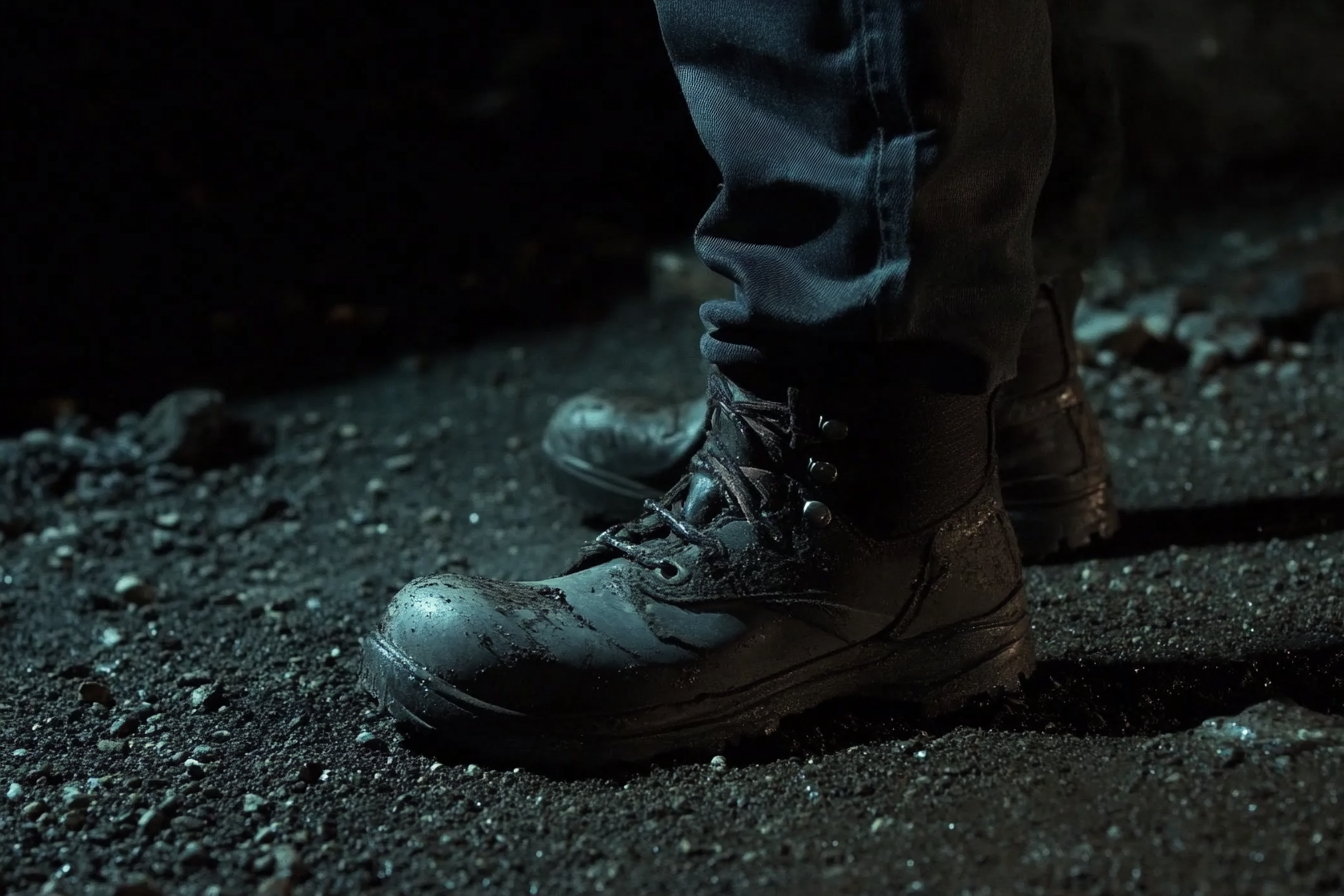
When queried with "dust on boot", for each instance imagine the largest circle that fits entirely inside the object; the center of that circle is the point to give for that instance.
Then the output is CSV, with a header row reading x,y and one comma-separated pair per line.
x,y
829,539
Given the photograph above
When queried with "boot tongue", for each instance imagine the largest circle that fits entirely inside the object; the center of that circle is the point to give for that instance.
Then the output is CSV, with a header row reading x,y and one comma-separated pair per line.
x,y
706,497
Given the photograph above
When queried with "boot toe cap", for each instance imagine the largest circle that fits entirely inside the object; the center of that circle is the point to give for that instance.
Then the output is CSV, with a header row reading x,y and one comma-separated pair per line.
x,y
458,628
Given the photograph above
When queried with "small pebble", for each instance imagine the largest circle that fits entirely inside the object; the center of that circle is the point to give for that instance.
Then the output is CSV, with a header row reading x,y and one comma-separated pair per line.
x,y
254,802
15,791
76,798
134,590
124,726
207,697
112,746
370,741
34,810
400,463
288,862
719,764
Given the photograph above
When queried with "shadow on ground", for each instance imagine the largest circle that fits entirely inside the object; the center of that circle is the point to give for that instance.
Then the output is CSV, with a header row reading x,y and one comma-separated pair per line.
x,y
1079,699
1260,519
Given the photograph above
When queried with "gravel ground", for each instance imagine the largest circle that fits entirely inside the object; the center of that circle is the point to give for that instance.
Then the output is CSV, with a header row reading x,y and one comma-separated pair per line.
x,y
179,711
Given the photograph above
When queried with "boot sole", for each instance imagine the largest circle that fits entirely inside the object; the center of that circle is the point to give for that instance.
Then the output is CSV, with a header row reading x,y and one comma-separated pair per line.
x,y
1045,528
938,671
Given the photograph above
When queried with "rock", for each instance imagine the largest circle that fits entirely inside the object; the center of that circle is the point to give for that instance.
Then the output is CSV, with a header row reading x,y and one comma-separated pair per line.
x,y
194,677
400,463
96,692
124,726
74,798
370,741
15,791
288,862
718,764
134,590
194,428
207,697
255,802
1277,728
1215,336
1104,330
150,823
73,821
195,855
35,810
1157,311
112,746
1242,338
1206,356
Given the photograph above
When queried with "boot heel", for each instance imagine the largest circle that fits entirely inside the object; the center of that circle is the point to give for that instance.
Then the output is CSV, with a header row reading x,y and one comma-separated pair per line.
x,y
1001,674
1044,528
943,669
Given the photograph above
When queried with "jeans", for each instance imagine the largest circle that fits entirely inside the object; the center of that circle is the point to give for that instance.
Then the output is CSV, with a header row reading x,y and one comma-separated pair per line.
x,y
882,166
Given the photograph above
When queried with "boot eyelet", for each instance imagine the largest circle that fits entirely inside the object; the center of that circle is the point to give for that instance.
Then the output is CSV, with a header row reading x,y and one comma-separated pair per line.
x,y
672,572
822,472
817,514
834,430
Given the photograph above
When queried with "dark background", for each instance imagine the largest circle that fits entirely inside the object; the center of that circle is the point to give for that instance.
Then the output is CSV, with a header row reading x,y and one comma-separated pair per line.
x,y
257,198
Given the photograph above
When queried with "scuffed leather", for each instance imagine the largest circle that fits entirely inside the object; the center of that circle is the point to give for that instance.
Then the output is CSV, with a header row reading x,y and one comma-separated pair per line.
x,y
615,637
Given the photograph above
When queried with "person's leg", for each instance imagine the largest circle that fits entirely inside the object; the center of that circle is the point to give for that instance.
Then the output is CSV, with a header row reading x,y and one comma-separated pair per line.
x,y
1056,479
881,164
841,529
612,451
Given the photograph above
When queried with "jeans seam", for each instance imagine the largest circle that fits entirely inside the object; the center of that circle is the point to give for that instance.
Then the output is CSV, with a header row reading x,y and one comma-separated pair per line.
x,y
870,43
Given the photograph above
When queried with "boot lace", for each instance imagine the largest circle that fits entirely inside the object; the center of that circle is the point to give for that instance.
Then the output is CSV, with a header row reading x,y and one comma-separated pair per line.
x,y
770,427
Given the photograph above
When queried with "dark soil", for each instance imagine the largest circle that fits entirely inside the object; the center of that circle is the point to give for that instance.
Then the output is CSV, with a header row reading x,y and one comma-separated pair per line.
x,y
197,729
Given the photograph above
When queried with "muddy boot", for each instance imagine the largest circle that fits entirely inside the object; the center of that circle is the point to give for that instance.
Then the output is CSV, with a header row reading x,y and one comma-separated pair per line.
x,y
829,539
611,452
1056,479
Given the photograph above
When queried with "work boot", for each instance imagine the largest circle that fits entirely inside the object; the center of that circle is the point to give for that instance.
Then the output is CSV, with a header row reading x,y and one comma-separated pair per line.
x,y
1056,478
830,538
612,451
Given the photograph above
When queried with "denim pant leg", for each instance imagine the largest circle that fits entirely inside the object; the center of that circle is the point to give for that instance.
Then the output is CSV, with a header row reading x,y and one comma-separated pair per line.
x,y
881,161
